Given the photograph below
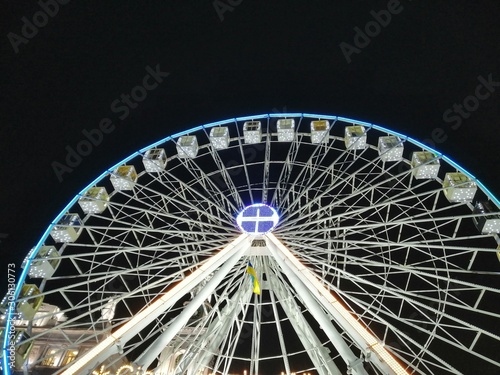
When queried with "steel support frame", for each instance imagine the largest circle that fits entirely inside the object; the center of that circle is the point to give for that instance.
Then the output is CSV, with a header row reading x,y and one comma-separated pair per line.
x,y
114,343
156,347
215,334
317,298
315,349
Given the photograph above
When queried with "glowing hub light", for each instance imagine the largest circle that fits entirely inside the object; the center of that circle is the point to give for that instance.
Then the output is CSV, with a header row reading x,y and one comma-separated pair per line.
x,y
257,219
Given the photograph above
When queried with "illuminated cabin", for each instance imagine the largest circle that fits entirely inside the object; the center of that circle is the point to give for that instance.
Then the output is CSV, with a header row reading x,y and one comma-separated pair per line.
x,y
44,264
286,130
219,137
459,187
124,178
22,351
489,221
319,131
390,148
155,160
95,200
187,147
30,300
425,165
252,132
355,137
68,229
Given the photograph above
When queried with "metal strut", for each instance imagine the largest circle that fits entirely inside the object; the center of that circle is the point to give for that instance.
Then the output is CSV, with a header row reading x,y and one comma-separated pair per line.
x,y
109,346
314,293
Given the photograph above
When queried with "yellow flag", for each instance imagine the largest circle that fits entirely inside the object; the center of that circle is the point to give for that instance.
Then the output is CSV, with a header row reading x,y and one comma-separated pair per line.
x,y
253,275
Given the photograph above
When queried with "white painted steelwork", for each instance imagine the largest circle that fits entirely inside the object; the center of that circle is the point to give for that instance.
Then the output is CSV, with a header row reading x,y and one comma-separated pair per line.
x,y
375,266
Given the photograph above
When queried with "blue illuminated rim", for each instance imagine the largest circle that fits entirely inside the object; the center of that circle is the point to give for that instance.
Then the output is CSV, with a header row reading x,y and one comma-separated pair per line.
x,y
24,272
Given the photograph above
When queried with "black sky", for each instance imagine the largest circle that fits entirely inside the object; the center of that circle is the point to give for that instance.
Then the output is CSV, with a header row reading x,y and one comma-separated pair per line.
x,y
258,57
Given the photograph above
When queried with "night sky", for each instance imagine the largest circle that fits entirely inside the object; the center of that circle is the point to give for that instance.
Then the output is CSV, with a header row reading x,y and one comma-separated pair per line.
x,y
431,71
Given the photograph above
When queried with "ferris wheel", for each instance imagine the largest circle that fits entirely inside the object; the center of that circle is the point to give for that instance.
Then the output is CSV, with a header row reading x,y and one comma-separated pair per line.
x,y
270,244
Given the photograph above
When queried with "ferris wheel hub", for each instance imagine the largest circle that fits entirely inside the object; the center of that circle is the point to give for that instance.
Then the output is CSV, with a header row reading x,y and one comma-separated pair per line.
x,y
257,219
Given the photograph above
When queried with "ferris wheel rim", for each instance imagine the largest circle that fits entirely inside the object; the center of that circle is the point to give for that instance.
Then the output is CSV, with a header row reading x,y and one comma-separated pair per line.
x,y
255,117
139,153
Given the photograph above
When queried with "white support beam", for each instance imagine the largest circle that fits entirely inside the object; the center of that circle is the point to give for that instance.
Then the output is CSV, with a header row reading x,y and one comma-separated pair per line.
x,y
355,365
216,333
156,347
318,354
312,291
114,343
